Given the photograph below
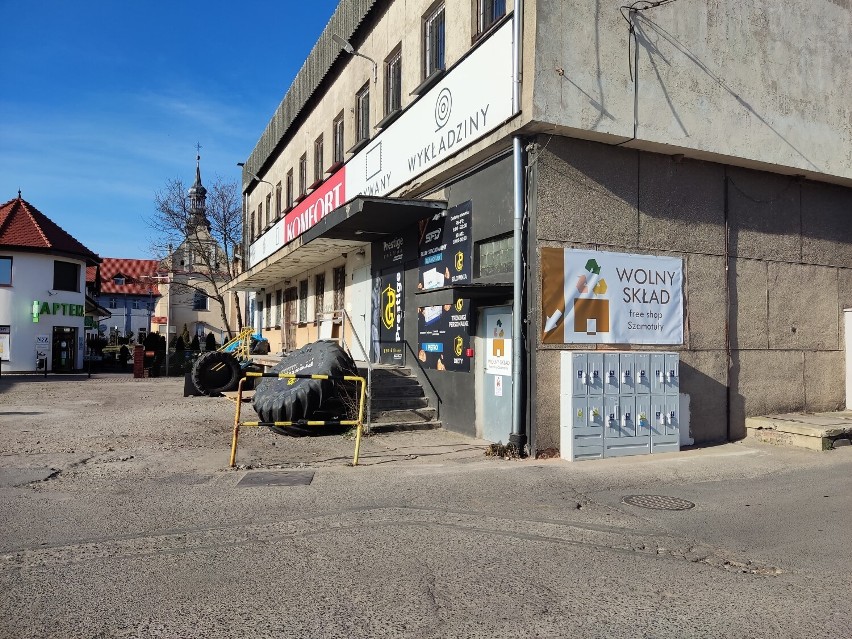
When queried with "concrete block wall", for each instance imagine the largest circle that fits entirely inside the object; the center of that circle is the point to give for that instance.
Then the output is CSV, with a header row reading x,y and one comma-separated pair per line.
x,y
789,275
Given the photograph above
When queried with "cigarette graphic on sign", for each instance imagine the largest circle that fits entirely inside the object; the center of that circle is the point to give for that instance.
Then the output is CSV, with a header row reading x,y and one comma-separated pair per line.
x,y
581,297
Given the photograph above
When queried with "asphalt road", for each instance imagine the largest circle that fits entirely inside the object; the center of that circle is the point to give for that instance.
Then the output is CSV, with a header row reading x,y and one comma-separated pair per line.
x,y
120,519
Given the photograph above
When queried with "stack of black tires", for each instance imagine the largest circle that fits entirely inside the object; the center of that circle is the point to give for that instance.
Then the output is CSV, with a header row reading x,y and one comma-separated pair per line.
x,y
290,400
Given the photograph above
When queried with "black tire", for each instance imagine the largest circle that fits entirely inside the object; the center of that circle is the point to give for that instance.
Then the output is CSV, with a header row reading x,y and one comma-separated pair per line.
x,y
285,400
216,372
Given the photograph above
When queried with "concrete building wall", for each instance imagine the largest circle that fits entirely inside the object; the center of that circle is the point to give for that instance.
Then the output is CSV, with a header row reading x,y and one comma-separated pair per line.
x,y
789,258
762,82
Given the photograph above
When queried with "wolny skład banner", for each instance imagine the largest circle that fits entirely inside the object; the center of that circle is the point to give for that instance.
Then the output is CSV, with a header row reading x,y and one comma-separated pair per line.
x,y
597,297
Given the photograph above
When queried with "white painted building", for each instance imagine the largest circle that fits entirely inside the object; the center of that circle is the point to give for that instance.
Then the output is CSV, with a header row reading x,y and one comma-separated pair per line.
x,y
42,292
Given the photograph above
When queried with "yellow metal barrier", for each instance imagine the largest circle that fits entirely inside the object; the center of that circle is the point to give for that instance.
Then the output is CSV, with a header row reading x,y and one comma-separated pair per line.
x,y
293,377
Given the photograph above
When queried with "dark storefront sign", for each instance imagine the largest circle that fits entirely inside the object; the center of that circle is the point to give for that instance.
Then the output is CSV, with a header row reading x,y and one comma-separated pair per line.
x,y
444,336
389,296
445,249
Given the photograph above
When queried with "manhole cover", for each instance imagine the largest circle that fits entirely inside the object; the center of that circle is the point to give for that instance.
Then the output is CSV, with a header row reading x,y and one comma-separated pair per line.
x,y
658,502
272,478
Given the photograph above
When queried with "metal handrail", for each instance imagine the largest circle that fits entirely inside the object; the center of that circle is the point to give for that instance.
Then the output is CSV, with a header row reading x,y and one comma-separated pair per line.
x,y
369,367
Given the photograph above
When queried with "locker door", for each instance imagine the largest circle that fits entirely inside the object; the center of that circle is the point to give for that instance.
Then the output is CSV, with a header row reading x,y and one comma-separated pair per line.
x,y
596,372
658,416
596,412
642,374
673,416
672,373
658,374
643,416
579,364
627,363
628,416
612,417
612,374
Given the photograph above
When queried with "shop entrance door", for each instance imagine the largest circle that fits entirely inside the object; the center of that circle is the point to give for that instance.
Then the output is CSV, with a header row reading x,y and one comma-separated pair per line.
x,y
494,373
357,306
64,348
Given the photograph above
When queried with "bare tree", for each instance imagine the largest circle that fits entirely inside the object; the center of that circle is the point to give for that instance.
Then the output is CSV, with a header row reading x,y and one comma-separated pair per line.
x,y
201,251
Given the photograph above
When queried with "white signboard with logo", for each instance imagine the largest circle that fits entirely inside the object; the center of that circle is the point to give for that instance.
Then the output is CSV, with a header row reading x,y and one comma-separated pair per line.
x,y
597,297
472,100
498,344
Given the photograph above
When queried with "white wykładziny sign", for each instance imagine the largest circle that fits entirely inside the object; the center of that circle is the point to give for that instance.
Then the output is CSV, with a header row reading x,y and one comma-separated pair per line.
x,y
598,297
472,100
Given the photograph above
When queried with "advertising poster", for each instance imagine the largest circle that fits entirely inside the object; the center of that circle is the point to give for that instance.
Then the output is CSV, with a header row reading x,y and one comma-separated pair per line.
x,y
444,336
597,297
445,249
4,343
498,344
387,334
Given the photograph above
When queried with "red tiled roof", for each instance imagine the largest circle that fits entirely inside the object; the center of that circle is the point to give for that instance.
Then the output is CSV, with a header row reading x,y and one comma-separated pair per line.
x,y
133,271
24,226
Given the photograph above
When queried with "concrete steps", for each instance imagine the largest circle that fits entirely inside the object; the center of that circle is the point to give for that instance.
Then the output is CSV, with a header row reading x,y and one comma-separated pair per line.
x,y
398,401
814,431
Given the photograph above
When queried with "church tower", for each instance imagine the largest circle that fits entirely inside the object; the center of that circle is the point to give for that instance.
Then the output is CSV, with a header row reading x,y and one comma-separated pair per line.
x,y
197,196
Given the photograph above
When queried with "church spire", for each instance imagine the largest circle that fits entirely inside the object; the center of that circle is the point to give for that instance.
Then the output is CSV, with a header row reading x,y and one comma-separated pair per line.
x,y
197,201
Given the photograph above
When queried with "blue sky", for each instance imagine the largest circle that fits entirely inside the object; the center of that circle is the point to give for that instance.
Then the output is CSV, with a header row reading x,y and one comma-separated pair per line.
x,y
102,102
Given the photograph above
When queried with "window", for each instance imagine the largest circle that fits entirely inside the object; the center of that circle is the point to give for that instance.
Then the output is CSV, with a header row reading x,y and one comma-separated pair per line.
x,y
251,227
318,160
494,256
199,301
118,280
260,226
393,81
303,301
268,311
278,201
337,130
362,113
66,276
319,295
339,287
289,189
268,209
488,12
5,271
303,174
434,41
278,300
113,303
258,312
135,304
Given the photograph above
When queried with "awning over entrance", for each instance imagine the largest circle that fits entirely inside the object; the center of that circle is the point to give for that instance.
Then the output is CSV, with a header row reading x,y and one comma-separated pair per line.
x,y
361,221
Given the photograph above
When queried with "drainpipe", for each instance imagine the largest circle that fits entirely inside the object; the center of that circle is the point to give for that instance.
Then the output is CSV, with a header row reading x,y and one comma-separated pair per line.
x,y
518,437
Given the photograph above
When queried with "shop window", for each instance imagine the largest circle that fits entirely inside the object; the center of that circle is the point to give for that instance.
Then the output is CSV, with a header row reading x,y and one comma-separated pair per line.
x,y
279,296
303,301
362,113
434,41
267,316
5,271
319,295
393,81
318,159
259,311
337,129
339,287
66,276
489,12
199,301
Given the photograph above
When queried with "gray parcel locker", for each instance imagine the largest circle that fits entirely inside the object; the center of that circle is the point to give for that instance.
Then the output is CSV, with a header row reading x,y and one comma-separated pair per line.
x,y
618,403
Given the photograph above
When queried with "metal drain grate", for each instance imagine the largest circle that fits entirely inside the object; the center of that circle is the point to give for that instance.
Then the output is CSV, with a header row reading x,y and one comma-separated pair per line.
x,y
658,502
277,478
